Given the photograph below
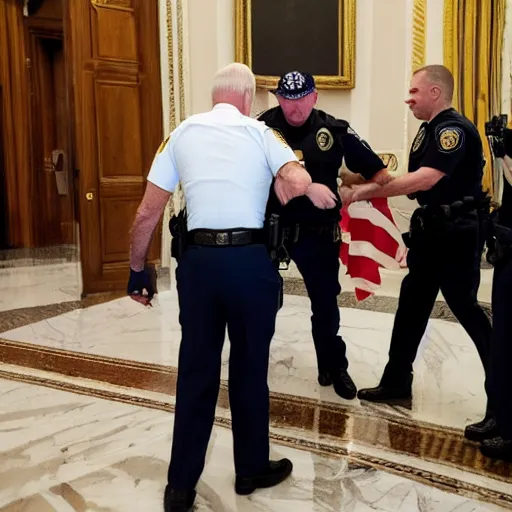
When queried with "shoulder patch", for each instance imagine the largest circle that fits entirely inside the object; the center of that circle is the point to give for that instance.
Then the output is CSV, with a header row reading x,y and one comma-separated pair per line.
x,y
162,145
280,137
450,138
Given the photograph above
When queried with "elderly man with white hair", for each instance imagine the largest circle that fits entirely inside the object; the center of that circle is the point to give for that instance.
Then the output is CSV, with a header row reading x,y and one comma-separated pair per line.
x,y
226,162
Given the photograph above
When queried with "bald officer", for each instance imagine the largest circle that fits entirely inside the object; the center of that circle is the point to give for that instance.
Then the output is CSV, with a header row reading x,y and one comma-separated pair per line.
x,y
226,162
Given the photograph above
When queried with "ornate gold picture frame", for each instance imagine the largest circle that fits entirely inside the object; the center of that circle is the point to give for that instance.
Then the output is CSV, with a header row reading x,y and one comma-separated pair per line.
x,y
344,79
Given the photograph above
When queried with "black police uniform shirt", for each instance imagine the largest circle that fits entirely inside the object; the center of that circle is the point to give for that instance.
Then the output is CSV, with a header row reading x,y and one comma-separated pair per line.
x,y
451,144
320,144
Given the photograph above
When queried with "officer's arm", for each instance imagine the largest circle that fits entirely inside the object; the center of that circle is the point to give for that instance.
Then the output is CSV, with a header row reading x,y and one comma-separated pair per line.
x,y
292,180
361,159
162,180
147,218
442,156
423,179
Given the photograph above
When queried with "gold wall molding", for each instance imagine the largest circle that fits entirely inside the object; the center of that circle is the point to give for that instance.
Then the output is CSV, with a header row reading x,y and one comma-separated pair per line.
x,y
347,49
181,59
419,34
170,59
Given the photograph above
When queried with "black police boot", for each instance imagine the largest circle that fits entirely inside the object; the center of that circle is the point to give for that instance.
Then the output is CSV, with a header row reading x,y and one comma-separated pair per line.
x,y
497,448
344,385
276,472
485,429
178,501
394,389
324,378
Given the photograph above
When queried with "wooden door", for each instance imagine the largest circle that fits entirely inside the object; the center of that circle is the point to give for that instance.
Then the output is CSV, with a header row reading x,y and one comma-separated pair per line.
x,y
54,222
115,58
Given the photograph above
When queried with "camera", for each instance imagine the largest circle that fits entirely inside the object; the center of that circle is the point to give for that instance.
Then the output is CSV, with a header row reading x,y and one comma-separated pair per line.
x,y
497,126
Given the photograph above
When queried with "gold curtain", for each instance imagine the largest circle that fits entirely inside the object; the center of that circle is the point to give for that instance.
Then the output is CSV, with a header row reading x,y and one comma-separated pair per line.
x,y
473,48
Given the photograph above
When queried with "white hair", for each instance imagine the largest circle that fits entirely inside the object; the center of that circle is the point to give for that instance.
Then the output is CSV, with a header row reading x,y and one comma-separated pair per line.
x,y
235,79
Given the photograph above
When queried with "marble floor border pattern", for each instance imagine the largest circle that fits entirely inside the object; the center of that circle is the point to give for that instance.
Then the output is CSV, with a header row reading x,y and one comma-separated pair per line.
x,y
319,446
366,426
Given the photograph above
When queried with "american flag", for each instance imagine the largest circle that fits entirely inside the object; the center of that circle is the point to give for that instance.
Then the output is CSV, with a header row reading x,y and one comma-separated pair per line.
x,y
370,240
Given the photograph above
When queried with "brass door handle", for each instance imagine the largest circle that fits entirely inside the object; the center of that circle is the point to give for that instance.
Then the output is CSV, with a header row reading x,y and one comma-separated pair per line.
x,y
89,196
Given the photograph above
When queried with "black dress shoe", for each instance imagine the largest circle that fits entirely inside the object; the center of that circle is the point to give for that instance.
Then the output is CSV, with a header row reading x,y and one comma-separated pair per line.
x,y
485,429
178,501
392,395
324,379
344,385
497,448
276,472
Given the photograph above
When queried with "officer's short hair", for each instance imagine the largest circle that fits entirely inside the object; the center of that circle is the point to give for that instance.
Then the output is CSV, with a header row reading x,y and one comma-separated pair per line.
x,y
234,78
439,75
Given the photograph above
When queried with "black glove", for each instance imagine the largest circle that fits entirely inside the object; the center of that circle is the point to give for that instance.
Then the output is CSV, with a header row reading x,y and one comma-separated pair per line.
x,y
140,281
498,148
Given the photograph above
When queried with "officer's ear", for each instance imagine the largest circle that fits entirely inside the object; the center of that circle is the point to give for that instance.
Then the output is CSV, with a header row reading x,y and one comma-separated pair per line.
x,y
436,92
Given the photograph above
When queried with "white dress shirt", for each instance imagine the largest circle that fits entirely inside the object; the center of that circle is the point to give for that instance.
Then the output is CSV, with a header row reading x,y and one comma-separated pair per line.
x,y
225,162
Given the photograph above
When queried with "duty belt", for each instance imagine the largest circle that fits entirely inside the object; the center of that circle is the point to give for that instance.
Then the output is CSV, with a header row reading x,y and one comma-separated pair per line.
x,y
225,238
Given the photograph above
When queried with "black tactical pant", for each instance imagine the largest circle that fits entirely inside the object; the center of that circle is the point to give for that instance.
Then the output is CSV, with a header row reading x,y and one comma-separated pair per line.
x,y
448,262
317,258
500,387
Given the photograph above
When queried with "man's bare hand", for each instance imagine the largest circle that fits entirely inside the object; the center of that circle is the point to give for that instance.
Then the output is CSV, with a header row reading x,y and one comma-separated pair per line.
x,y
346,195
292,180
321,196
350,178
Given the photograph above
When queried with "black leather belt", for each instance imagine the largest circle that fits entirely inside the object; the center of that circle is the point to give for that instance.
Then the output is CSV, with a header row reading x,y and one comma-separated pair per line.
x,y
226,238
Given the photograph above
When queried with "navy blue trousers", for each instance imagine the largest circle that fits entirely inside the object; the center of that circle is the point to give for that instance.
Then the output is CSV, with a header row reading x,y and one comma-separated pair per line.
x,y
238,288
317,257
451,265
501,348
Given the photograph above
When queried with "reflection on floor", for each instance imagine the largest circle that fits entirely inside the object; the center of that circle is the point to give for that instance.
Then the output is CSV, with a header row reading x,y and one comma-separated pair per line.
x,y
64,452
30,286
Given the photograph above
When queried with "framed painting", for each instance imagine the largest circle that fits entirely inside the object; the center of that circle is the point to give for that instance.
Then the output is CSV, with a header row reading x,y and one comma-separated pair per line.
x,y
274,37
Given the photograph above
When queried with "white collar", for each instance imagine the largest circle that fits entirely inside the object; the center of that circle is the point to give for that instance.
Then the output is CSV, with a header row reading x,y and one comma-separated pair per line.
x,y
225,106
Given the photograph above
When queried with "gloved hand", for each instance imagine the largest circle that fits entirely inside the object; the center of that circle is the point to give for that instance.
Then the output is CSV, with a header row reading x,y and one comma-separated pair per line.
x,y
139,282
498,148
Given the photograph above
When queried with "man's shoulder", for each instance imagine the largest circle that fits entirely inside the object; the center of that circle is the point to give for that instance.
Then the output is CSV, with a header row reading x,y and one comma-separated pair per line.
x,y
330,121
453,131
268,115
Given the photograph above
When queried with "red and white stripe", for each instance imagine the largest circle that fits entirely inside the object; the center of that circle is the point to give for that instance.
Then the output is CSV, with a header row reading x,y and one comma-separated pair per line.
x,y
370,240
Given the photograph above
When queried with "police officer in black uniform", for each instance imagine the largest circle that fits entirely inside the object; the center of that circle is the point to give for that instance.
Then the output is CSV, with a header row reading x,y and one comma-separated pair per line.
x,y
496,433
446,237
312,234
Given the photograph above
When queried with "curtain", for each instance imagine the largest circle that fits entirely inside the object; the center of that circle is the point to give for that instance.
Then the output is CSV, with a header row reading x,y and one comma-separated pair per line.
x,y
473,48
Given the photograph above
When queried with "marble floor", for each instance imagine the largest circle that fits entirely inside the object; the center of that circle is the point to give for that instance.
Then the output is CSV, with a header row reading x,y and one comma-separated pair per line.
x,y
28,286
104,368
63,452
125,330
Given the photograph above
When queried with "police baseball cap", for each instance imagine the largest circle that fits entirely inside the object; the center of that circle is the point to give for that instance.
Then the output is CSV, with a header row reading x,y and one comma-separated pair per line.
x,y
295,85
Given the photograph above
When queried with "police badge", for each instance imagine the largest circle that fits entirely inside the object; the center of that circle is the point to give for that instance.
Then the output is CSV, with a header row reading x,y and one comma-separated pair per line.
x,y
324,139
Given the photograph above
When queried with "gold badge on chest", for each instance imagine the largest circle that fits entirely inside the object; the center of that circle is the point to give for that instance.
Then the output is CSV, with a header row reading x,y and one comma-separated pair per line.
x,y
324,139
418,141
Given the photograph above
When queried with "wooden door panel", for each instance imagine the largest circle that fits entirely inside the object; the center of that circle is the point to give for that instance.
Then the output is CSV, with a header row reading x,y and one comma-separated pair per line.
x,y
116,35
119,136
117,98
